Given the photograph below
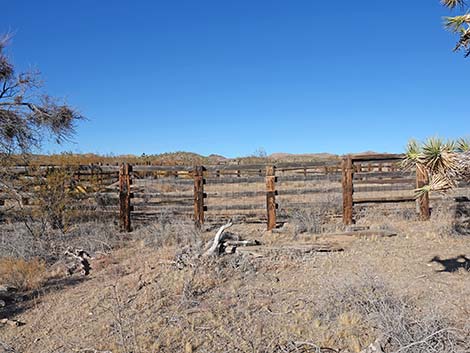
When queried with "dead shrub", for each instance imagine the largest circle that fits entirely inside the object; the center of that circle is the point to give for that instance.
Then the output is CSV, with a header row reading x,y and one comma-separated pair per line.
x,y
354,311
22,274
317,218
28,241
171,232
57,198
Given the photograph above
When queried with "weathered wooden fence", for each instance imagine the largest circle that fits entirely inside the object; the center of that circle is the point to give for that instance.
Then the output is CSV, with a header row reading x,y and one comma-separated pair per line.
x,y
261,193
365,180
366,177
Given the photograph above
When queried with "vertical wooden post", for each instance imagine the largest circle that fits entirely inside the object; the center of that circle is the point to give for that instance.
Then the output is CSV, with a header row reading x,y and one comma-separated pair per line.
x,y
271,196
125,183
347,181
422,179
199,196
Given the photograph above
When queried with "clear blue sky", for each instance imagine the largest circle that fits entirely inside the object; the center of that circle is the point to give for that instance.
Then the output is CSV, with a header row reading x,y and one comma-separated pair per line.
x,y
229,77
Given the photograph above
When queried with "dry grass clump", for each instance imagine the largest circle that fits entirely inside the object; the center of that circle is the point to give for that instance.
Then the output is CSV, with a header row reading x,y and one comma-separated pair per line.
x,y
28,241
317,218
355,311
170,232
22,274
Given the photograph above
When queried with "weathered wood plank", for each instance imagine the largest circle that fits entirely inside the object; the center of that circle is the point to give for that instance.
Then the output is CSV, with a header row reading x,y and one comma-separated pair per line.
x,y
407,181
384,199
376,157
347,183
199,195
125,197
382,174
422,179
320,177
271,196
390,187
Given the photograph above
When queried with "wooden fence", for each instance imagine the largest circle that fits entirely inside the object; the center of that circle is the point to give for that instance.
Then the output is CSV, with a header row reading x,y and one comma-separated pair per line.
x,y
362,174
266,193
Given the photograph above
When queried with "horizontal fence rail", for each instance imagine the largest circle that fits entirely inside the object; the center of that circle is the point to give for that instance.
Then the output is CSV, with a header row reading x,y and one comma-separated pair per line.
x,y
258,192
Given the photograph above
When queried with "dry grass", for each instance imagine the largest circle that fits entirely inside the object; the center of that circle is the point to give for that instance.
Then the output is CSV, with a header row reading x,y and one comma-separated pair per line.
x,y
21,274
33,240
153,296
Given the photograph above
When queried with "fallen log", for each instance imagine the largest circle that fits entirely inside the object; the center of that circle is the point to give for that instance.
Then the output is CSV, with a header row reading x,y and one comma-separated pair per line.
x,y
364,234
242,243
215,249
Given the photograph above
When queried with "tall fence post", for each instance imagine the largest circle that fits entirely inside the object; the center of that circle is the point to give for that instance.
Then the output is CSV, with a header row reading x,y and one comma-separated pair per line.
x,y
347,183
199,195
125,183
271,196
422,179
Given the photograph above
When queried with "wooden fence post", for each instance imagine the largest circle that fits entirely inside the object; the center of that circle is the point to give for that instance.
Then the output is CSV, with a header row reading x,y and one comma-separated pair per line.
x,y
422,179
125,183
199,195
271,196
347,181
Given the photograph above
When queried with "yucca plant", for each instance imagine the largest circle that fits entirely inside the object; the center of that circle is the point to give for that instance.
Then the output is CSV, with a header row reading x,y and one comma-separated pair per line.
x,y
444,162
459,24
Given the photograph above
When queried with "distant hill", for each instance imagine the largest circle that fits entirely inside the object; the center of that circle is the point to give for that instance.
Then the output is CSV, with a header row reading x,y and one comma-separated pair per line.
x,y
289,157
176,158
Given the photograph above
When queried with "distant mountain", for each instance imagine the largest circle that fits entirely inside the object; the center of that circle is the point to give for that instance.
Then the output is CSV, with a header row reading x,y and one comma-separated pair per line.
x,y
290,157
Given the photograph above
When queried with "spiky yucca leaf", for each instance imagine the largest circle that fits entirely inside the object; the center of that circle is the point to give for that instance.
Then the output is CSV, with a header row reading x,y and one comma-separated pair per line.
x,y
438,183
441,182
463,144
412,154
464,42
438,156
452,4
456,23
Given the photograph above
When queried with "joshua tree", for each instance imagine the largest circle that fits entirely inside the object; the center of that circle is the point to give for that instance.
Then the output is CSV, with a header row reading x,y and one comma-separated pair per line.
x,y
459,24
444,162
27,115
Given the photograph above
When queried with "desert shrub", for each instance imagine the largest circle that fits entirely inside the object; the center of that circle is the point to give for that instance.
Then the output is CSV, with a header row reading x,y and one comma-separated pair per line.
x,y
357,310
171,232
451,215
307,220
317,218
27,241
56,198
22,274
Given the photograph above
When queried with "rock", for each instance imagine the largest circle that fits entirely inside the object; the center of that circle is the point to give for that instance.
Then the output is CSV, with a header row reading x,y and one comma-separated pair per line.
x,y
14,323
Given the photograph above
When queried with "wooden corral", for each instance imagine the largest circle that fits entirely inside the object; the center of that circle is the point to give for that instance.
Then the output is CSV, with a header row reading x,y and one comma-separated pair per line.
x,y
259,192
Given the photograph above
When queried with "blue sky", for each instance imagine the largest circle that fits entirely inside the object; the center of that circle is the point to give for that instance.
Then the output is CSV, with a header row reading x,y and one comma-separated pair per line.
x,y
230,77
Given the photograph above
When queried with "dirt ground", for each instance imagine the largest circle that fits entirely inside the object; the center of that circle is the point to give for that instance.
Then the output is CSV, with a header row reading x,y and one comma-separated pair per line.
x,y
157,298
